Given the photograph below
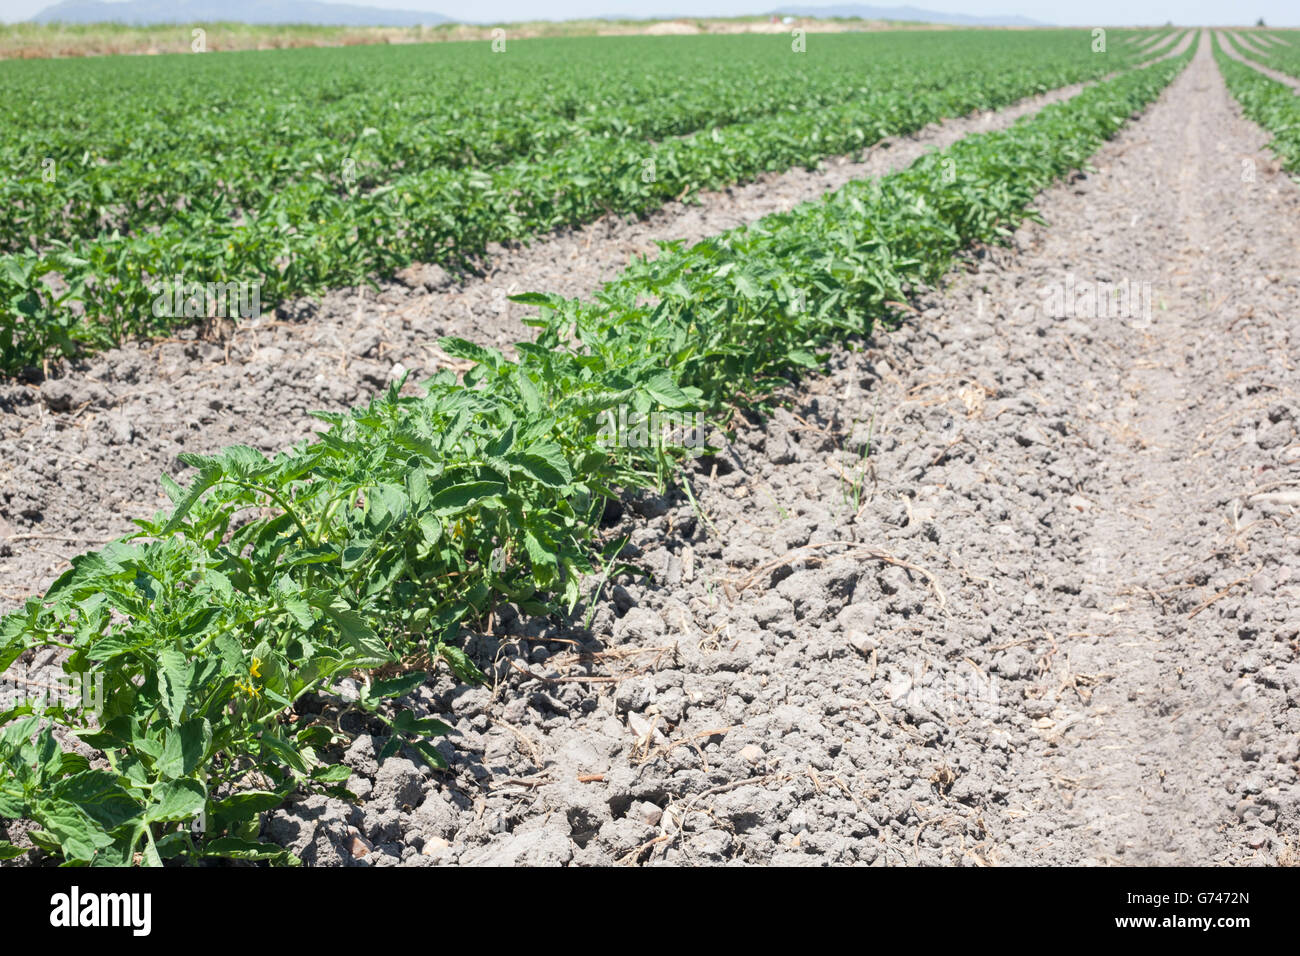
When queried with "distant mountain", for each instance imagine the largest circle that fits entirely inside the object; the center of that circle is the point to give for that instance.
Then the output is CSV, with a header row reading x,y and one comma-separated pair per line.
x,y
239,11
909,13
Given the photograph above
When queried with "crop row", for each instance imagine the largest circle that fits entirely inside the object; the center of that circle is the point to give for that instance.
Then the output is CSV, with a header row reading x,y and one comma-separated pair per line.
x,y
1273,105
357,143
308,237
227,142
1281,57
410,519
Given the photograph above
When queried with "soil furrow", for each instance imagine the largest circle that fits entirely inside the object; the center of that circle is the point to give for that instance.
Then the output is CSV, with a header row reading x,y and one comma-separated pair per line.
x,y
1251,43
1015,583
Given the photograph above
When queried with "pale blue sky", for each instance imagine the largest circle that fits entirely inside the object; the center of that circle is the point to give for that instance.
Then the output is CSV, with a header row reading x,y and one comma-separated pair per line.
x,y
1097,12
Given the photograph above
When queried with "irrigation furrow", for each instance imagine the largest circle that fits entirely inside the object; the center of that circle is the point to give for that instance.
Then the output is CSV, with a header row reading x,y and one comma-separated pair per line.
x,y
1046,617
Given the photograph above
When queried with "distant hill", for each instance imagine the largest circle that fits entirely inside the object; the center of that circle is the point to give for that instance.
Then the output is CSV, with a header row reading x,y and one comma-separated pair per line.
x,y
143,12
910,13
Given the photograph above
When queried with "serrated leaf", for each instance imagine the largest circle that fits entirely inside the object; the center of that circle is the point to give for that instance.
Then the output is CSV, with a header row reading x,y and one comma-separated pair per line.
x,y
176,800
210,472
663,390
184,748
458,498
174,674
461,665
398,686
545,463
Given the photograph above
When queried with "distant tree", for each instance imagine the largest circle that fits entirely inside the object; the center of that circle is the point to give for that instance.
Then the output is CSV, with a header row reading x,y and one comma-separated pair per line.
x,y
1260,22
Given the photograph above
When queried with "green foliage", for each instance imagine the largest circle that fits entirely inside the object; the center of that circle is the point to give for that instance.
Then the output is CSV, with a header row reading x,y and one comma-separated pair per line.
x,y
411,518
313,169
1273,105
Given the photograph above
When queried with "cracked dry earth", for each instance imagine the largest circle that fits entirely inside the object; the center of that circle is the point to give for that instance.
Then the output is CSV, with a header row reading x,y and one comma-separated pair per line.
x,y
1007,586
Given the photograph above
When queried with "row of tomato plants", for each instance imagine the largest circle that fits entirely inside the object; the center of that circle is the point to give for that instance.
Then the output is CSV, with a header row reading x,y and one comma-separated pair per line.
x,y
410,519
1273,105
1282,57
179,133
90,294
358,143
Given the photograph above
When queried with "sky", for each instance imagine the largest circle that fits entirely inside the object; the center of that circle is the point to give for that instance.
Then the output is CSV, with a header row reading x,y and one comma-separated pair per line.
x,y
1096,12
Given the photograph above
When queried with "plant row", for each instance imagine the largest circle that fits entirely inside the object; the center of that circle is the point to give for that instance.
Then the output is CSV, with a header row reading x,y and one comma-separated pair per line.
x,y
1273,105
218,631
309,237
225,134
1280,56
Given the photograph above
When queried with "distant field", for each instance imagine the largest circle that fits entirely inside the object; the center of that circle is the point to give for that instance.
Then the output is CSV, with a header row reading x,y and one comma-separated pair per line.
x,y
39,41
311,169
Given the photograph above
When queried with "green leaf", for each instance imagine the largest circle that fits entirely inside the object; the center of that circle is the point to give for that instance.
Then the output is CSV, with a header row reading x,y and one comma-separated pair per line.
x,y
77,836
391,747
663,390
184,748
430,529
502,443
458,498
540,555
544,462
356,631
243,805
429,754
174,674
74,763
336,773
273,745
461,665
100,796
529,393
176,800
210,472
538,298
461,348
300,611
172,845
398,686
231,848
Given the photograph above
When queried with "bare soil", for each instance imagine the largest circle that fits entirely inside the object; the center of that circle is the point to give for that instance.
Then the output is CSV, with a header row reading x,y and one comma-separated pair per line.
x,y
1011,584
1005,587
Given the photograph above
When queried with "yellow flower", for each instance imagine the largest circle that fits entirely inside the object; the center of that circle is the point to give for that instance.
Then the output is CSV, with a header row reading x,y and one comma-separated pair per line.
x,y
248,688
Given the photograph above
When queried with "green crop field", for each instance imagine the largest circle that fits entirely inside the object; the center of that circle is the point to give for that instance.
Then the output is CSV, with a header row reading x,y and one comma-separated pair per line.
x,y
299,171
411,517
1272,104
